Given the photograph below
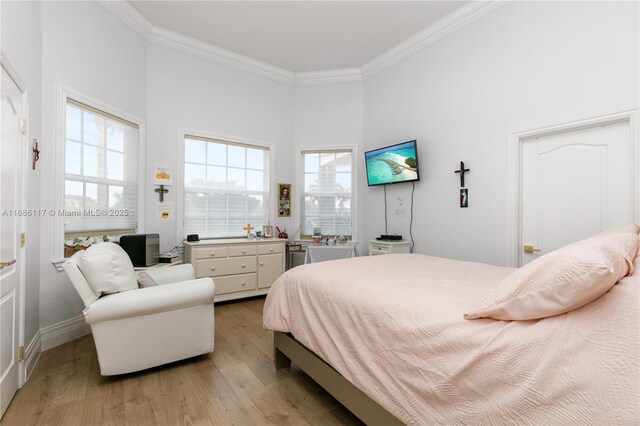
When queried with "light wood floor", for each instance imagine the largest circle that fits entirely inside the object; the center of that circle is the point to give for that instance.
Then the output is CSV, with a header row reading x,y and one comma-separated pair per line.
x,y
235,385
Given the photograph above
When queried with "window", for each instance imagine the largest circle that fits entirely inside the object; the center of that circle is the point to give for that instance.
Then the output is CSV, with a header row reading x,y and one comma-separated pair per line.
x,y
101,170
326,198
226,186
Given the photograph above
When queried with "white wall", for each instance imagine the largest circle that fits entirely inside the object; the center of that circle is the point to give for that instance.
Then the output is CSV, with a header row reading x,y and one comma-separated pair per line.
x,y
185,91
90,51
22,45
525,65
326,115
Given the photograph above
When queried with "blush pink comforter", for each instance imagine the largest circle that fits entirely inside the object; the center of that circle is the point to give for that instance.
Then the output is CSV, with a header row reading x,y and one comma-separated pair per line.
x,y
392,325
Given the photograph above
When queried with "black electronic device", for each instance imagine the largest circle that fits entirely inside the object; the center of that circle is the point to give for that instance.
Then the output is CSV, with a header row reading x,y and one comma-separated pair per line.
x,y
389,238
143,249
193,237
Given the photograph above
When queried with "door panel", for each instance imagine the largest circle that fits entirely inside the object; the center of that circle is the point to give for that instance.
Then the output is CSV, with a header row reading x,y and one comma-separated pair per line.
x,y
574,185
269,269
10,227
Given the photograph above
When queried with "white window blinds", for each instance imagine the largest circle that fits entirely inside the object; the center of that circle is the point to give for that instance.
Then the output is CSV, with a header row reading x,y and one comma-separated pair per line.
x,y
101,169
326,199
226,186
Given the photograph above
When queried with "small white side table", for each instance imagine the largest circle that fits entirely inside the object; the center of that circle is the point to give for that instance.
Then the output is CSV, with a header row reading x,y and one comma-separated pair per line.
x,y
378,247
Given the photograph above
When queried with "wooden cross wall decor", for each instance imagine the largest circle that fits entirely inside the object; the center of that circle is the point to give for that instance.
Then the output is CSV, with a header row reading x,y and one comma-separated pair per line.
x,y
36,153
462,172
248,228
162,190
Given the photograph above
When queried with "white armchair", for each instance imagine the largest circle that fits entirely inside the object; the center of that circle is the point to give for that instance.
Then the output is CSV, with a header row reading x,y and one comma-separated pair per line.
x,y
143,328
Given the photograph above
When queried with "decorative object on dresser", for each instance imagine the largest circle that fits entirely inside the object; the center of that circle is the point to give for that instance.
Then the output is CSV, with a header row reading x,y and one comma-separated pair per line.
x,y
282,234
239,267
377,247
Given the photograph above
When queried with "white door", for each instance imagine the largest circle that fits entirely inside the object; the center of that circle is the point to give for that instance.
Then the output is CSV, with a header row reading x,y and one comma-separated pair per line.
x,y
574,185
10,228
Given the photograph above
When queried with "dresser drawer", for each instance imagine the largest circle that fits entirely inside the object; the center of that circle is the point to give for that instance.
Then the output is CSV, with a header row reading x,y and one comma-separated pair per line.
x,y
235,283
230,266
242,251
211,252
270,248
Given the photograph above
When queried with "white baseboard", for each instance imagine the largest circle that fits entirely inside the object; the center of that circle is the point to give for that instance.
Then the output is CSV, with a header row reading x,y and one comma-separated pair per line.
x,y
63,332
32,355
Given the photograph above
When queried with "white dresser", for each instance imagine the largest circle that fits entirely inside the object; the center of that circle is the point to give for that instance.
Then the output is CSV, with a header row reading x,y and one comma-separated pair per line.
x,y
239,267
377,247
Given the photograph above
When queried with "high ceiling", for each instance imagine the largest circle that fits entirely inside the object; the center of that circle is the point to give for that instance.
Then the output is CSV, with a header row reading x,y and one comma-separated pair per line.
x,y
299,36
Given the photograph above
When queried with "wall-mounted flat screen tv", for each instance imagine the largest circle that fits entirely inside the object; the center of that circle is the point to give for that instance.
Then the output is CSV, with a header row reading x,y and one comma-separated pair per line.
x,y
392,164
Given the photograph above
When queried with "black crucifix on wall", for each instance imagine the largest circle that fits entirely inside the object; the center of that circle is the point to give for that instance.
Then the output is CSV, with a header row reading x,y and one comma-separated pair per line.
x,y
462,172
162,190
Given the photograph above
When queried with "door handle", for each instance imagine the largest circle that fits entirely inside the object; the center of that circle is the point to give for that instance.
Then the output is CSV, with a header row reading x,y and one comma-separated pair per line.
x,y
7,264
529,249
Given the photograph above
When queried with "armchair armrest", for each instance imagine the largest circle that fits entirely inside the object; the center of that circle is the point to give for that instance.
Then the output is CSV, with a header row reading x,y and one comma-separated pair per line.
x,y
172,274
151,300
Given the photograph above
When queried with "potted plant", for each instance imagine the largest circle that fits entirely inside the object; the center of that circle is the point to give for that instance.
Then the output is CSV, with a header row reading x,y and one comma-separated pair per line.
x,y
80,243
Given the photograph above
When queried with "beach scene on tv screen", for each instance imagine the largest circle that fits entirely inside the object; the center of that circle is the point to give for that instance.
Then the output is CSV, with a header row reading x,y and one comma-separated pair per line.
x,y
394,164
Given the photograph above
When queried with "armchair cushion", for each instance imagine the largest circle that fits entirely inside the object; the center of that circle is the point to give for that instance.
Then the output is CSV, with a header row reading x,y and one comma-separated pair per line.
x,y
86,292
145,280
107,268
152,300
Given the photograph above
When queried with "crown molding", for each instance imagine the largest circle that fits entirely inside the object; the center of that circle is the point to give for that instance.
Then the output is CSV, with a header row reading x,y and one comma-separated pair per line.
x,y
129,15
449,24
343,75
186,44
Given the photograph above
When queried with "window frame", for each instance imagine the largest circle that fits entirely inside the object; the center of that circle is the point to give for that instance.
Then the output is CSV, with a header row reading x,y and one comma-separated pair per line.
x,y
298,190
64,94
183,133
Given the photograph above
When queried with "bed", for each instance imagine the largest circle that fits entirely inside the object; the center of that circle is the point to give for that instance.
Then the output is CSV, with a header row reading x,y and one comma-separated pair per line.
x,y
386,336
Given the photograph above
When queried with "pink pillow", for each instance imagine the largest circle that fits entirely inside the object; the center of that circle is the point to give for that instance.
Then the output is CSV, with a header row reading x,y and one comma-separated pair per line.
x,y
631,229
561,281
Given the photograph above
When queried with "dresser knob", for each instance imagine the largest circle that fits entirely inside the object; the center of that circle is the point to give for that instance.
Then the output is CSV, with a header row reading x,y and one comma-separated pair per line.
x,y
261,263
244,266
271,249
213,253
244,251
213,268
244,283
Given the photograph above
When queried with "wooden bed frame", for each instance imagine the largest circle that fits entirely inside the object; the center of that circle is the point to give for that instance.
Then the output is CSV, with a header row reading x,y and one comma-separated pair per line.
x,y
286,349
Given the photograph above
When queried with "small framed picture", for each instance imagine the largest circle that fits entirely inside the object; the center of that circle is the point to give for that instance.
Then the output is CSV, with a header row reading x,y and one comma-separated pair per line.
x,y
284,200
464,197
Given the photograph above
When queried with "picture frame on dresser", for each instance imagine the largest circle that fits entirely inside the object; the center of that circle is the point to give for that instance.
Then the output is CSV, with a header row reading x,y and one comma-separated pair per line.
x,y
239,267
